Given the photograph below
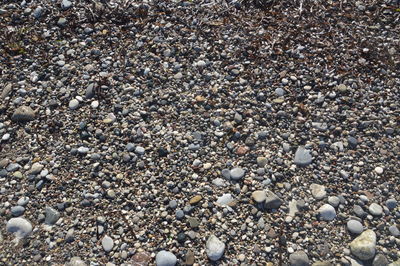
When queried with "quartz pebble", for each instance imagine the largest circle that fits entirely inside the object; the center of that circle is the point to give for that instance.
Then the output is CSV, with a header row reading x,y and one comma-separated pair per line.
x,y
165,258
214,248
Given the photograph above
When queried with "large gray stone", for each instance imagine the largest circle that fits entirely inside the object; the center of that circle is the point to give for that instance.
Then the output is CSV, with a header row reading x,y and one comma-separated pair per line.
x,y
19,226
364,246
107,243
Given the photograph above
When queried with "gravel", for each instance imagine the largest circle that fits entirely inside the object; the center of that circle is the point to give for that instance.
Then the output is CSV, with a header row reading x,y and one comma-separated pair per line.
x,y
272,125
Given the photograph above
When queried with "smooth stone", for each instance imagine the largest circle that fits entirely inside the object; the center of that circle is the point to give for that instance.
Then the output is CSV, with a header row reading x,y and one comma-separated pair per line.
x,y
19,226
65,4
17,210
334,201
364,246
226,173
261,161
375,209
380,260
394,231
237,173
52,216
214,248
73,104
225,199
326,212
165,258
299,258
272,201
107,243
23,114
38,12
76,261
36,168
195,199
322,263
302,157
318,191
391,204
259,196
23,201
141,259
355,227
379,170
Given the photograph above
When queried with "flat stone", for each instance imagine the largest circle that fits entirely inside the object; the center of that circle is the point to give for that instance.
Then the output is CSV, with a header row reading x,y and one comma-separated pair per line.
x,y
214,248
299,258
259,196
19,226
23,114
261,161
318,191
36,168
302,156
195,199
165,258
326,212
355,227
364,246
391,204
375,209
141,258
237,173
76,261
322,263
107,243
189,258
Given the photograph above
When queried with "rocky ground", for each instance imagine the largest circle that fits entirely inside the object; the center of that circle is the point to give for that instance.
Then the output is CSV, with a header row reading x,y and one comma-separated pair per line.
x,y
199,132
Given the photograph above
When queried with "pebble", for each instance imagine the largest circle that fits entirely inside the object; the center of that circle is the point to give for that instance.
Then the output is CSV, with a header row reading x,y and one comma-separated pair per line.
x,y
394,230
17,210
355,227
334,201
165,258
23,114
214,248
107,243
73,104
19,226
299,258
225,200
259,196
38,12
391,204
237,174
65,4
380,260
379,170
318,191
52,216
272,201
302,156
327,212
375,209
195,199
364,246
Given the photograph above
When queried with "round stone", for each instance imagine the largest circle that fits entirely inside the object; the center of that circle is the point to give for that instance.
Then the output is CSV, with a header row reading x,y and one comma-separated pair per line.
x,y
73,104
378,170
318,191
355,227
19,226
259,196
334,201
165,258
394,231
375,209
107,243
327,212
237,173
299,258
391,204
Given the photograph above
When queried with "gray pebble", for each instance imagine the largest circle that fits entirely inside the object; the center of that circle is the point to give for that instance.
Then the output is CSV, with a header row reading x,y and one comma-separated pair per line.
x,y
237,173
391,204
107,243
299,258
17,210
394,231
73,104
165,258
302,156
19,226
355,227
23,114
375,209
52,216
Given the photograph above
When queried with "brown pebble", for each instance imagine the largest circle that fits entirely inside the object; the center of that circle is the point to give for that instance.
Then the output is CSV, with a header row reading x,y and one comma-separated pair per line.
x,y
195,199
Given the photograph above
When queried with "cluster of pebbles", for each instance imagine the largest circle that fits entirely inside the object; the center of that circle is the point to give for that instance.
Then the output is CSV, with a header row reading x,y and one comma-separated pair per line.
x,y
198,132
